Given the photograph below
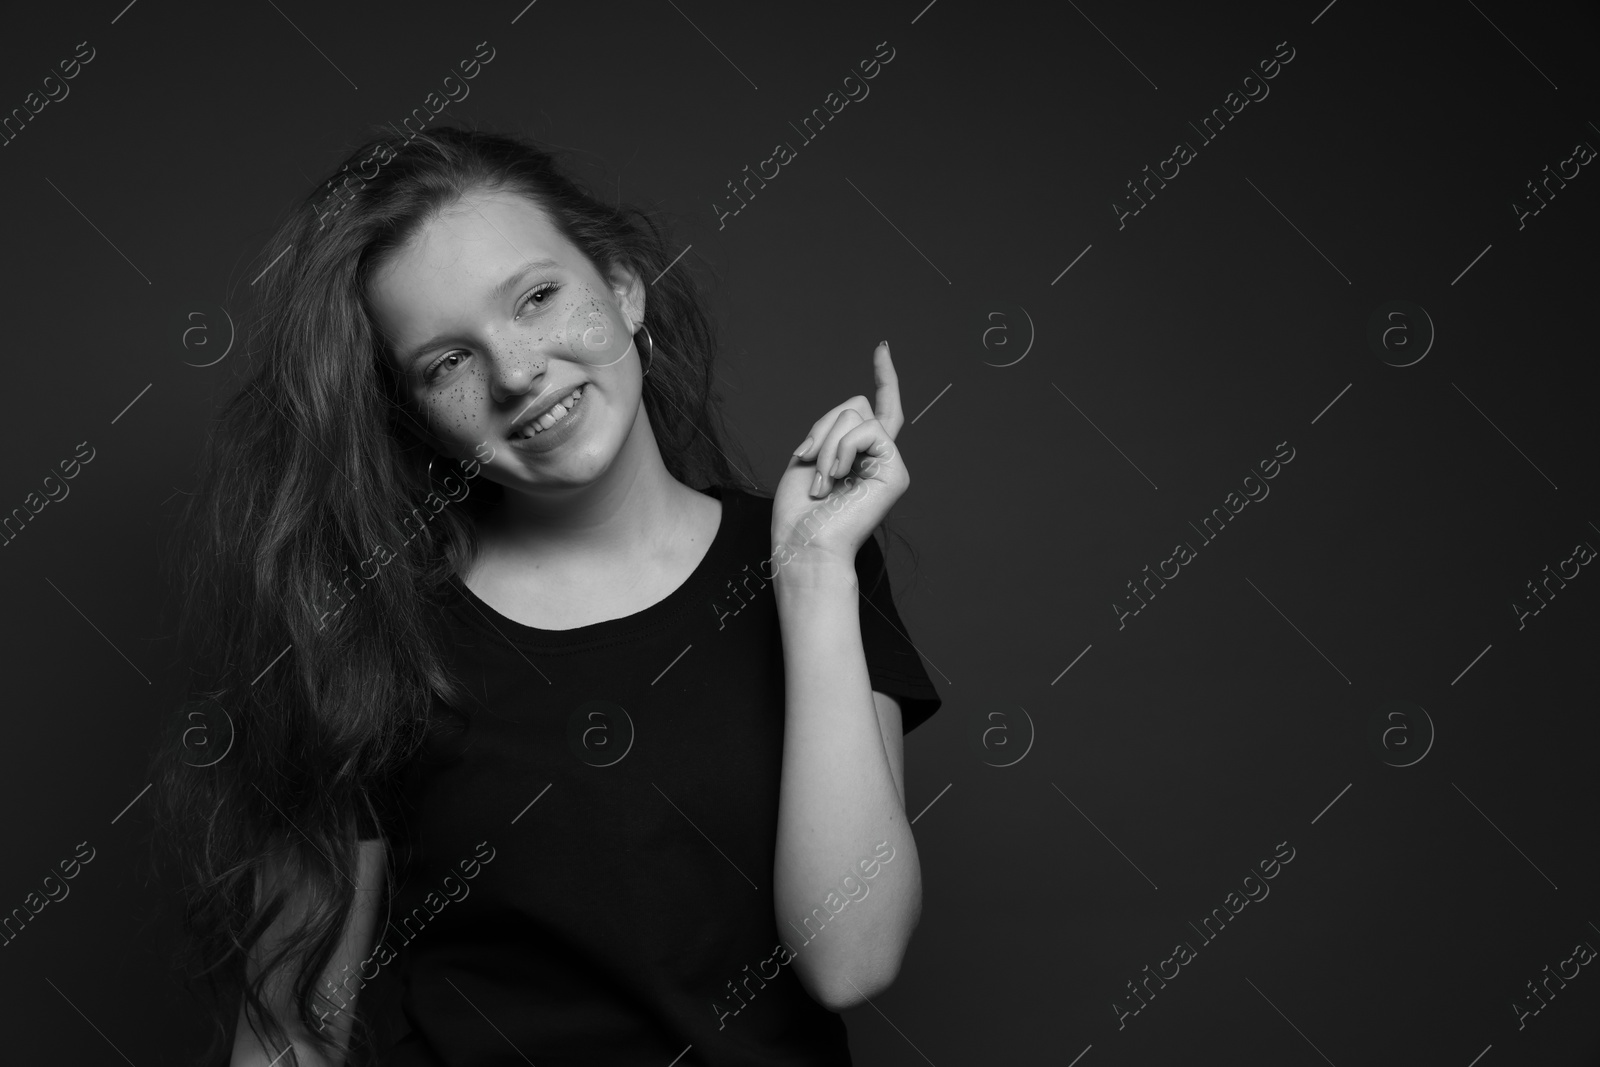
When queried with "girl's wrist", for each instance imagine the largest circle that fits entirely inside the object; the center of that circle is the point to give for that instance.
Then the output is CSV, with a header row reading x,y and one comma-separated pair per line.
x,y
810,570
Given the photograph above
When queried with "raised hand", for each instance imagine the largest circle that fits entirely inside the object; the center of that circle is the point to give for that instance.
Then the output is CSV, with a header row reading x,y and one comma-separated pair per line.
x,y
844,477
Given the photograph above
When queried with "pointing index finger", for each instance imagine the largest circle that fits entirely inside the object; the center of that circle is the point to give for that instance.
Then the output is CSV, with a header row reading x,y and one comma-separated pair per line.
x,y
887,405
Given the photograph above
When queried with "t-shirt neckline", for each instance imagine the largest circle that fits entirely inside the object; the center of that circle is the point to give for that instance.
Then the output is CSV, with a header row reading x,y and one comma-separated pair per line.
x,y
489,619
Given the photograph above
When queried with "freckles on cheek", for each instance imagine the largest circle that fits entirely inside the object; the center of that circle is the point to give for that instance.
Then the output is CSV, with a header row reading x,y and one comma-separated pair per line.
x,y
456,412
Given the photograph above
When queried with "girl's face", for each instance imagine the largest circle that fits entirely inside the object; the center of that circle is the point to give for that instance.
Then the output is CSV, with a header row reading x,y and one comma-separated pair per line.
x,y
493,320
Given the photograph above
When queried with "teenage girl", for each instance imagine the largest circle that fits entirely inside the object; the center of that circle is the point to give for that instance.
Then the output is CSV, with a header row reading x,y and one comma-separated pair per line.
x,y
548,741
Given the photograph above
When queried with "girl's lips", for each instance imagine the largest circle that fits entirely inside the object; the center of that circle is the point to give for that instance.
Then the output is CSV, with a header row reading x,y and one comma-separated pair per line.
x,y
545,440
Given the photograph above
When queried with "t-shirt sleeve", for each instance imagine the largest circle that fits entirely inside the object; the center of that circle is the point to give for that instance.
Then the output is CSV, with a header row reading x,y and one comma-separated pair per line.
x,y
893,663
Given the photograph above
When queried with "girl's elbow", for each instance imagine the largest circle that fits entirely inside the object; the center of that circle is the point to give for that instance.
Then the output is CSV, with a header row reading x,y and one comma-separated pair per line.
x,y
851,982
847,980
851,991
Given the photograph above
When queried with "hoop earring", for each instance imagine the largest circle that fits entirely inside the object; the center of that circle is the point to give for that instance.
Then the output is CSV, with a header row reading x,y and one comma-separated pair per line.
x,y
430,473
647,351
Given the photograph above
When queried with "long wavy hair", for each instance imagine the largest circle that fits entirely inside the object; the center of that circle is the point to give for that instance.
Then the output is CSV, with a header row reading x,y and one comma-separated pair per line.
x,y
310,465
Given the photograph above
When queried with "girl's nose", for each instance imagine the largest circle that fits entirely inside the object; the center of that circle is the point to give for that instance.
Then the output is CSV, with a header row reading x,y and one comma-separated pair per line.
x,y
514,373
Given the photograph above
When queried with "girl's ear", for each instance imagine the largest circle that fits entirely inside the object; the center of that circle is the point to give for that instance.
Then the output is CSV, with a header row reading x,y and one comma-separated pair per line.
x,y
629,289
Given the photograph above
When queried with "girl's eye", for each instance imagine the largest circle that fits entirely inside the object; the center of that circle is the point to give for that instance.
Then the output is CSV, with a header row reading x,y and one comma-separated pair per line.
x,y
540,296
433,369
543,292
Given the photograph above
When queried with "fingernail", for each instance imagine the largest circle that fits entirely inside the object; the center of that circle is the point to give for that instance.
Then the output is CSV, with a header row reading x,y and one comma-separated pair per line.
x,y
833,472
803,446
816,484
883,344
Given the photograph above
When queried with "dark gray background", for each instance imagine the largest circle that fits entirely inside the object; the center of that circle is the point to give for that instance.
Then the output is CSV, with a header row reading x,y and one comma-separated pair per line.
x,y
1222,320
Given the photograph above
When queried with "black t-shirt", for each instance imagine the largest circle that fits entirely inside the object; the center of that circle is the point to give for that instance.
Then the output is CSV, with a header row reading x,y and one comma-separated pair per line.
x,y
587,850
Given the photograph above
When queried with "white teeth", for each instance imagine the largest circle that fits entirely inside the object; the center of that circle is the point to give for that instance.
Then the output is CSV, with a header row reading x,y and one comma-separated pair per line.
x,y
554,415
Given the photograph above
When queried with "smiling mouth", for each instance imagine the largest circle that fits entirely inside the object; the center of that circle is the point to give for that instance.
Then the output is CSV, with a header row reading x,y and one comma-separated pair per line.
x,y
534,427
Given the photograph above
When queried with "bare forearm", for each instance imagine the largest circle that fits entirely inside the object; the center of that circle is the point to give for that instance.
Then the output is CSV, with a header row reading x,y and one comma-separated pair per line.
x,y
839,810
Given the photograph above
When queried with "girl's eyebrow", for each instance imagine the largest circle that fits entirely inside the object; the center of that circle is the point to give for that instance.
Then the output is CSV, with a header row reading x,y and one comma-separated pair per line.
x,y
499,292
